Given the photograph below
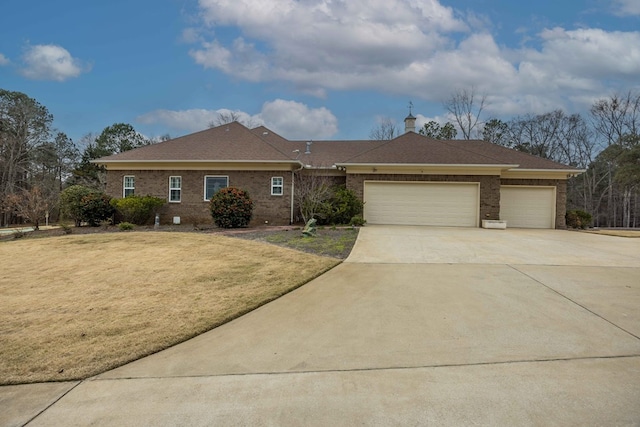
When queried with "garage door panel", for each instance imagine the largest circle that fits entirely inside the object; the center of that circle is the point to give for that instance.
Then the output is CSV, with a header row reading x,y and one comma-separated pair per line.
x,y
406,203
528,207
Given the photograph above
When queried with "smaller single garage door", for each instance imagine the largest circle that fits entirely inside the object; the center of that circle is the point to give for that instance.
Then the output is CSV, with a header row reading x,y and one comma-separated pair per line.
x,y
422,203
528,207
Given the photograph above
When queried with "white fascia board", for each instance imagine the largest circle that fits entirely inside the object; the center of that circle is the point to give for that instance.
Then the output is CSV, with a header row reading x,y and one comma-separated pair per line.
x,y
98,161
200,164
429,165
570,171
541,173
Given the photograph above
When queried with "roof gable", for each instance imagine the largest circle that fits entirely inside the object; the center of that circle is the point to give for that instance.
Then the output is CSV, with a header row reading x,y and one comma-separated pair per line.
x,y
229,142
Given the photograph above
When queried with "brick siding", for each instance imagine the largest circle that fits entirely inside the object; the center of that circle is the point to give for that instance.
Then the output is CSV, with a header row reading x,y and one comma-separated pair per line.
x,y
276,210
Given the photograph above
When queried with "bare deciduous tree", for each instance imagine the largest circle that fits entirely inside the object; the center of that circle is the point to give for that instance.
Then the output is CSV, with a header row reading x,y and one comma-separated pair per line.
x,y
226,116
32,205
24,128
312,189
615,119
617,116
385,130
466,107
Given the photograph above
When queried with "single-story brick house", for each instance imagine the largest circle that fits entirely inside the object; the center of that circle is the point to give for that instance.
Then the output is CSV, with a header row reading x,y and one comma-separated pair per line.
x,y
411,179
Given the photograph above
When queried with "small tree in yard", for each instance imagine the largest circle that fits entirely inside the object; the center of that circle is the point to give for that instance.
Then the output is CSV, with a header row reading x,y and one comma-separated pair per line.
x,y
32,205
231,208
312,191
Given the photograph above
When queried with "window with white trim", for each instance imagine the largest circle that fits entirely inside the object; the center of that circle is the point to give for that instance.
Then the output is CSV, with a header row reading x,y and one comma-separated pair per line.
x,y
277,186
175,189
212,184
128,186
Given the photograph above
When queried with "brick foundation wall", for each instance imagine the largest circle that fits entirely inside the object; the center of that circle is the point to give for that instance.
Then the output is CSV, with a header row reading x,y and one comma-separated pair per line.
x,y
561,195
489,187
193,208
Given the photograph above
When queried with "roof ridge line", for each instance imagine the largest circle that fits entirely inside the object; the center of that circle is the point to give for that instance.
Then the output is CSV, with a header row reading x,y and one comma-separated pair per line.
x,y
271,145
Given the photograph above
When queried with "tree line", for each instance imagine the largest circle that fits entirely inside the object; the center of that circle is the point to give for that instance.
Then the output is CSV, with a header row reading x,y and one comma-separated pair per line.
x,y
605,143
37,161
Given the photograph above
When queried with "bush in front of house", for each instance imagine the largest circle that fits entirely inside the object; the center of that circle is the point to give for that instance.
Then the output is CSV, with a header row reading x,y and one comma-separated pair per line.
x,y
341,206
125,226
578,219
84,204
138,209
231,208
357,221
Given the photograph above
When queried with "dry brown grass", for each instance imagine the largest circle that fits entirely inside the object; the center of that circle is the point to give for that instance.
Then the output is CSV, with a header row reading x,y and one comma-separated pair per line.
x,y
618,233
78,305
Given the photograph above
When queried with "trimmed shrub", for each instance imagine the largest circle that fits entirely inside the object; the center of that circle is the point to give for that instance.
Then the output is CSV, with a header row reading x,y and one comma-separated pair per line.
x,y
578,219
231,208
125,226
340,207
66,228
138,209
83,204
357,221
96,208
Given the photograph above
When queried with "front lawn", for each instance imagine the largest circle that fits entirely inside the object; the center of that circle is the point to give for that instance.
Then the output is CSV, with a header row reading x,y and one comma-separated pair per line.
x,y
74,306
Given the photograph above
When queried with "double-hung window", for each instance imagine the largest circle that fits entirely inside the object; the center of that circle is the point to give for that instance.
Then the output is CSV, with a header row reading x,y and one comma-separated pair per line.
x,y
128,186
214,183
175,189
277,186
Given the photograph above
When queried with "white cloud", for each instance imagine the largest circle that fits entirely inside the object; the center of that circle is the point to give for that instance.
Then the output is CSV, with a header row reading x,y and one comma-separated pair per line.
x,y
193,120
414,48
50,62
295,120
4,60
306,39
291,119
626,7
588,54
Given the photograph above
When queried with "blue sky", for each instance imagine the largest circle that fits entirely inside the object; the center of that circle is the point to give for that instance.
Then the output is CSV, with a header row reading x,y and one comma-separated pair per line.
x,y
316,69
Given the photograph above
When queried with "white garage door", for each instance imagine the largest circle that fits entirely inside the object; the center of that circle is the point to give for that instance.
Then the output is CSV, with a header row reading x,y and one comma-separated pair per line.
x,y
418,203
528,207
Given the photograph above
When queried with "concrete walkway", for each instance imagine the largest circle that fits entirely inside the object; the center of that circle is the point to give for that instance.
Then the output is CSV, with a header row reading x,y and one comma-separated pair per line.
x,y
420,326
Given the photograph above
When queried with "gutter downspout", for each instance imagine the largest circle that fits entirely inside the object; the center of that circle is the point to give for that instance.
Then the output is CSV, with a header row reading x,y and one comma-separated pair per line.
x,y
293,180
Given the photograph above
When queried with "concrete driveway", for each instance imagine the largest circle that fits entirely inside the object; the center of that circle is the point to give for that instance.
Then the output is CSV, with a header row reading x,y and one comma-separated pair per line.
x,y
419,326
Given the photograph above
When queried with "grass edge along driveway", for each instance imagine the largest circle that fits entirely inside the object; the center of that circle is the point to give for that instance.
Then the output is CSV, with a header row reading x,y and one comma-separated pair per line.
x,y
78,305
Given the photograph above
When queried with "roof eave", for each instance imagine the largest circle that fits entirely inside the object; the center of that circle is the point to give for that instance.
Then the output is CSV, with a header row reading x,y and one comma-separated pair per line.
x,y
435,165
573,171
98,161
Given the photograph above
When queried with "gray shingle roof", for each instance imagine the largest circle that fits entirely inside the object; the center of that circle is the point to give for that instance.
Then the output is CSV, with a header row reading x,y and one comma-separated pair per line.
x,y
235,143
231,142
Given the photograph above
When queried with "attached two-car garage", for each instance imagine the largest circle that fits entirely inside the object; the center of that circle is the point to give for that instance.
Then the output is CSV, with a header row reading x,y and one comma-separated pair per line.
x,y
455,204
451,204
